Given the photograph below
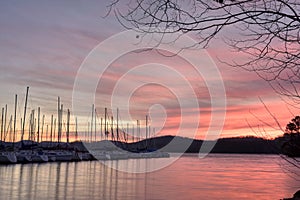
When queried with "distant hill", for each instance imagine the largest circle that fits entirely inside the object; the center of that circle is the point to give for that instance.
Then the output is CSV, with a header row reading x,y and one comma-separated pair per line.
x,y
172,144
249,145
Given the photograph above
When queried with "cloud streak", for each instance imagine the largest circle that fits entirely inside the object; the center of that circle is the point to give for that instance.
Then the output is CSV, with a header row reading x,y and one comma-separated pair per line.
x,y
43,45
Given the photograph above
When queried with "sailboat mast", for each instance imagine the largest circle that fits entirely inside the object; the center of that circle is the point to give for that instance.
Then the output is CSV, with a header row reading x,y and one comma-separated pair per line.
x,y
118,124
76,129
112,129
58,118
106,135
29,129
127,132
15,118
95,125
68,126
87,138
51,128
24,118
5,116
146,127
21,122
2,121
101,133
10,128
60,124
92,123
47,132
133,138
105,127
42,134
31,122
54,129
137,130
146,131
38,132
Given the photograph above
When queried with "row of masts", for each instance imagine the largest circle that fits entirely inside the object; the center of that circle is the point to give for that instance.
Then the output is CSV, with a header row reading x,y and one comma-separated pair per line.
x,y
110,129
39,131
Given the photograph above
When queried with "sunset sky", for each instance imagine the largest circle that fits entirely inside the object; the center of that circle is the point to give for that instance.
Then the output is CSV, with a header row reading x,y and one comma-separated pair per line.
x,y
43,44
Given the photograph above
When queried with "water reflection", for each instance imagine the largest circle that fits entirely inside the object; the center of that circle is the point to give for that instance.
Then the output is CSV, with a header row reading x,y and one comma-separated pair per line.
x,y
215,177
84,180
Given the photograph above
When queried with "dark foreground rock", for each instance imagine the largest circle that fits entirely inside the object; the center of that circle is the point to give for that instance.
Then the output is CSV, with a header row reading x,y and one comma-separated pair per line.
x,y
295,197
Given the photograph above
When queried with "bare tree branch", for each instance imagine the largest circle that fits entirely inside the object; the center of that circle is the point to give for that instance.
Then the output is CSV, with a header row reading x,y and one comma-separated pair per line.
x,y
268,31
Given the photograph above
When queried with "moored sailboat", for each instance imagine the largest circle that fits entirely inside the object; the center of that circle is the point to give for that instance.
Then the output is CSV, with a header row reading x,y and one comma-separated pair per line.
x,y
23,157
8,157
39,157
60,156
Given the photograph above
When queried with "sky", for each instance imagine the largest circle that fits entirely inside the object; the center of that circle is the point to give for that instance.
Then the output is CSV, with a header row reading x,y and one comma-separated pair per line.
x,y
43,45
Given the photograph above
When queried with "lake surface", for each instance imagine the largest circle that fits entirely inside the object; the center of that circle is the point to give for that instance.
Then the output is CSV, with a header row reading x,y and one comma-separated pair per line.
x,y
217,176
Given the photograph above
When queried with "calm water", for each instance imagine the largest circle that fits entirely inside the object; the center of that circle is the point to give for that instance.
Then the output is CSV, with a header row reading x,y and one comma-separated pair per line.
x,y
214,177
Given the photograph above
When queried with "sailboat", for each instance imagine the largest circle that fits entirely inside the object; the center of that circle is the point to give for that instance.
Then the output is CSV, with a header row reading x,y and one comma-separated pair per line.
x,y
39,156
7,157
23,157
